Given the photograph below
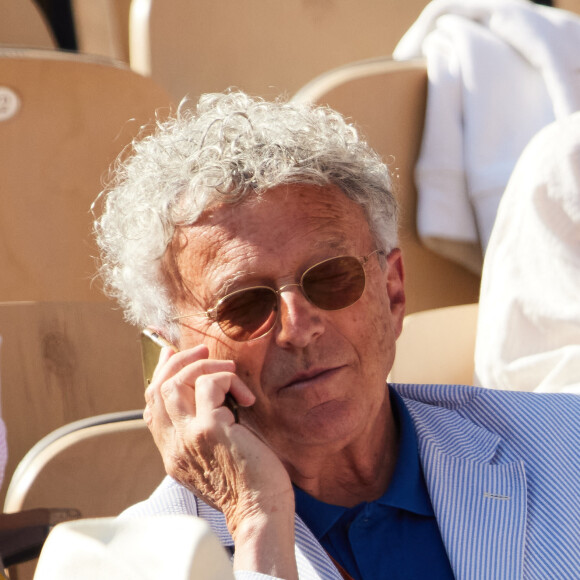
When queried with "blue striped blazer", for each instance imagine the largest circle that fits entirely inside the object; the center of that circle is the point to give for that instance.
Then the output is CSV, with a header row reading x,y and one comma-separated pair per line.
x,y
503,473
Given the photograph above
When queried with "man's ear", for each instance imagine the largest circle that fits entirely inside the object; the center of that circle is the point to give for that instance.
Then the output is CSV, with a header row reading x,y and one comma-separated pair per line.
x,y
396,288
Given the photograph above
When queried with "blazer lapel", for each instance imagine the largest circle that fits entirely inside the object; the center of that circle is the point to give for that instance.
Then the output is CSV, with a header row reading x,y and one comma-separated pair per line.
x,y
311,558
479,499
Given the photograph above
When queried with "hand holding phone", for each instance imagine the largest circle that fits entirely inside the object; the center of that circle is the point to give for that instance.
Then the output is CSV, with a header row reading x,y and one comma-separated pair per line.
x,y
204,450
151,344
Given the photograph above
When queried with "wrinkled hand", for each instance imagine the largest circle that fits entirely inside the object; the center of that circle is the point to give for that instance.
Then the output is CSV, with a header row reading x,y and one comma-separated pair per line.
x,y
223,463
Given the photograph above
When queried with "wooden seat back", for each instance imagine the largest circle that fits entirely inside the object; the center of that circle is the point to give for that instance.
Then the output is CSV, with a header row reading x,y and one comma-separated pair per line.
x,y
263,47
61,362
22,23
64,121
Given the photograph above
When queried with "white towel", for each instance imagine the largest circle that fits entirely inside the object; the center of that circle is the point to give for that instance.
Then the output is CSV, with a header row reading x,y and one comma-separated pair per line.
x,y
528,334
499,71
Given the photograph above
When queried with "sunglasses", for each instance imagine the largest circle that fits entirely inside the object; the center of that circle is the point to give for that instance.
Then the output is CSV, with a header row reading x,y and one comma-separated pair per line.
x,y
251,313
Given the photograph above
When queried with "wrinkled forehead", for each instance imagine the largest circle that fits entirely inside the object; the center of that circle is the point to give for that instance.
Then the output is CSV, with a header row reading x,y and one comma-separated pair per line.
x,y
294,209
285,225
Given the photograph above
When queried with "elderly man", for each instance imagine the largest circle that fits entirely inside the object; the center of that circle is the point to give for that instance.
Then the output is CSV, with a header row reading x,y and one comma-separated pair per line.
x,y
260,238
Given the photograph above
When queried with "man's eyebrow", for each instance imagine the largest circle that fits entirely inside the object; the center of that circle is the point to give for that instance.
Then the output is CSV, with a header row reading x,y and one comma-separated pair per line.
x,y
232,281
336,242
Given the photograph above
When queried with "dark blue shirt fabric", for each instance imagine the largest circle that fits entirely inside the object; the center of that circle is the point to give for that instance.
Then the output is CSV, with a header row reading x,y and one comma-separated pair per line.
x,y
395,536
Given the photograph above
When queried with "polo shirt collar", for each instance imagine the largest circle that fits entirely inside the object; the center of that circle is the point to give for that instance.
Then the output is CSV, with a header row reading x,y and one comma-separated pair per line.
x,y
407,489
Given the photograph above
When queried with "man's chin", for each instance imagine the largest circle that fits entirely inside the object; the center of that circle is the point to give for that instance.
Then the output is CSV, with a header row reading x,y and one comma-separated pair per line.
x,y
328,423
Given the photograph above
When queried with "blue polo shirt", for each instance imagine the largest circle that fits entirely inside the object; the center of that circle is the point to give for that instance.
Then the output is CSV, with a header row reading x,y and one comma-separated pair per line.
x,y
395,536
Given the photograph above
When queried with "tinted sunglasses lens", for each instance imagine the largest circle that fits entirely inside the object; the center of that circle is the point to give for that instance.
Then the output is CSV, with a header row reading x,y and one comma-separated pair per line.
x,y
335,283
247,314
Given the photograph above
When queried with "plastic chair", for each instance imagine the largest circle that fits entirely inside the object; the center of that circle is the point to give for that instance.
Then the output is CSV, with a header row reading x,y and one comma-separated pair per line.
x,y
263,47
386,99
61,362
22,534
64,118
23,24
98,466
437,347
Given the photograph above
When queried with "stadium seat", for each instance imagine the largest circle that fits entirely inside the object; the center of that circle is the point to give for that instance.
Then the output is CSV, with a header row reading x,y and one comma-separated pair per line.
x,y
437,346
64,119
23,25
386,99
262,47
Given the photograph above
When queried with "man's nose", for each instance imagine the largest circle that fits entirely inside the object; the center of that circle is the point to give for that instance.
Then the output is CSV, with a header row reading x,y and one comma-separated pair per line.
x,y
300,321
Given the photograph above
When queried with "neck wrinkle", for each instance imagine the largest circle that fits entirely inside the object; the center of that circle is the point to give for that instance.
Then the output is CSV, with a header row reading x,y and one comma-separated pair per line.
x,y
350,476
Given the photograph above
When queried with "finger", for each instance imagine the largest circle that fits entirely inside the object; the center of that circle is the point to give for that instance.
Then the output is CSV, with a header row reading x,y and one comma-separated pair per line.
x,y
171,399
171,363
242,393
178,392
185,367
157,419
164,355
155,413
210,390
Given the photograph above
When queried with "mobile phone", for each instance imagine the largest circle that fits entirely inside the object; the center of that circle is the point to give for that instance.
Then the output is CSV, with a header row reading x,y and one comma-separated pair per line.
x,y
151,345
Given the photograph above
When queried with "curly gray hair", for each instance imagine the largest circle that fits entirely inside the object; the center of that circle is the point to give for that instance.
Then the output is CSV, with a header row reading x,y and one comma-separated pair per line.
x,y
231,147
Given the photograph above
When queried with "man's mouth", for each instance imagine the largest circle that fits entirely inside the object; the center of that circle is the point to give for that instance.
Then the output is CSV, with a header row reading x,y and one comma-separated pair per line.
x,y
304,378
